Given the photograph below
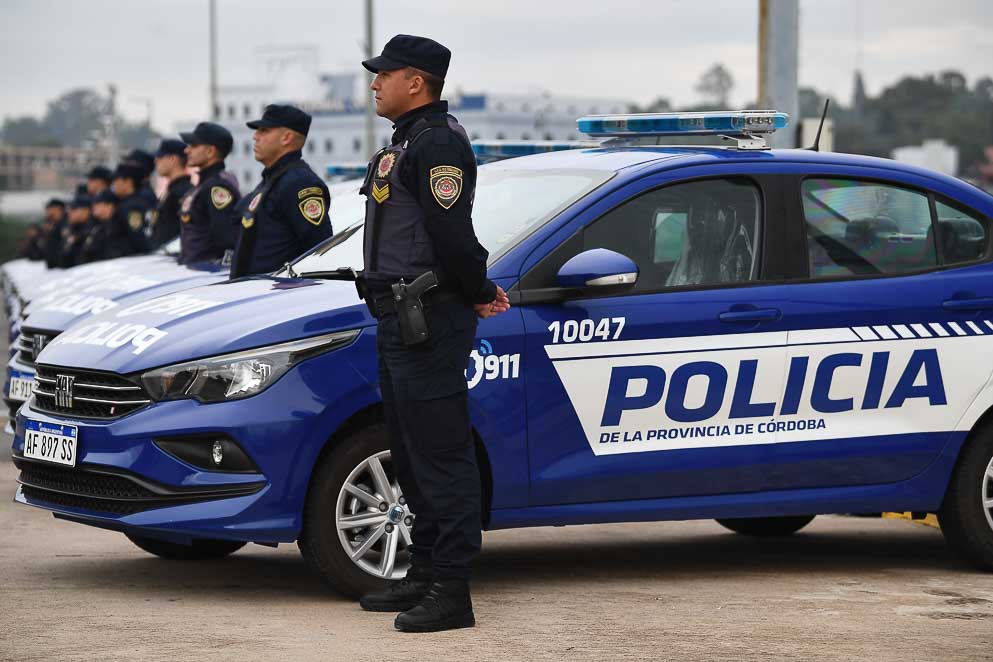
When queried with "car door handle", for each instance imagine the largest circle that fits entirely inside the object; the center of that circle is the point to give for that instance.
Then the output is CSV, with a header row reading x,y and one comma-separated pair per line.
x,y
757,315
979,303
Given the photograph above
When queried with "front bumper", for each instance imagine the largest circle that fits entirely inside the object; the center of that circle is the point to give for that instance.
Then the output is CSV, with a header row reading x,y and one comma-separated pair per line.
x,y
124,481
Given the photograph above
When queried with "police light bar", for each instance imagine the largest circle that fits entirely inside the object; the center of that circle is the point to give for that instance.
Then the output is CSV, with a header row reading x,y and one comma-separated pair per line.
x,y
506,149
718,123
346,170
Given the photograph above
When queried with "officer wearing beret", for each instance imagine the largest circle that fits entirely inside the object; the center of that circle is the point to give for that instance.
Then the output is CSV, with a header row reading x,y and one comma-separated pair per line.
x,y
98,180
51,241
207,211
95,244
76,231
126,231
170,164
287,213
420,192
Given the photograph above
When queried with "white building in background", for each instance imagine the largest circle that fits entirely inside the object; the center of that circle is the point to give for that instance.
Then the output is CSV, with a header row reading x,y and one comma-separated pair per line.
x,y
933,154
337,134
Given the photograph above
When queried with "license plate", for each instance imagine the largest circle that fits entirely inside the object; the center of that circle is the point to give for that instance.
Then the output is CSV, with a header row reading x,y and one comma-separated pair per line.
x,y
51,442
21,388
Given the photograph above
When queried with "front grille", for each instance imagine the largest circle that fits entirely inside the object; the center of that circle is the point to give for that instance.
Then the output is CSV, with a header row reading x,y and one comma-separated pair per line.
x,y
108,492
30,342
103,395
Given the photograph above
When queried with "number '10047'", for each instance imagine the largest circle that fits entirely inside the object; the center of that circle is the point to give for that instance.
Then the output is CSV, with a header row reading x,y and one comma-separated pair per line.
x,y
586,330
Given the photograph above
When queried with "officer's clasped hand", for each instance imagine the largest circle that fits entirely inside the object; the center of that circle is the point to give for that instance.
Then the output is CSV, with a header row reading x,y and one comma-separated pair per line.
x,y
500,304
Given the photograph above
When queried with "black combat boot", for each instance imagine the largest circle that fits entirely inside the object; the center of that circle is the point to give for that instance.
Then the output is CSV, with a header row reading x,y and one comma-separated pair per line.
x,y
401,595
447,606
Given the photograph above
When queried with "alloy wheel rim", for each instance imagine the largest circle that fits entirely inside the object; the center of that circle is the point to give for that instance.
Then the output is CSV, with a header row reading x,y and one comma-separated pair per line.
x,y
987,494
373,520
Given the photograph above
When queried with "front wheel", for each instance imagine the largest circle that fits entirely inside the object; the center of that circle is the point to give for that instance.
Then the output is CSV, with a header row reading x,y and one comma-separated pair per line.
x,y
766,527
199,550
356,524
966,515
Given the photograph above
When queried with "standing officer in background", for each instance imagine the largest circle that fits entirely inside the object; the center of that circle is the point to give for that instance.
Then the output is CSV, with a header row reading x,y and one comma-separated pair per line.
x,y
145,161
420,192
207,211
126,230
98,180
76,231
287,213
170,164
95,244
51,241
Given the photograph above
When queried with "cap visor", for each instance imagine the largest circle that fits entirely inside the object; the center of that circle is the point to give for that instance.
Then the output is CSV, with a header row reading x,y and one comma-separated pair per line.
x,y
189,139
382,63
262,124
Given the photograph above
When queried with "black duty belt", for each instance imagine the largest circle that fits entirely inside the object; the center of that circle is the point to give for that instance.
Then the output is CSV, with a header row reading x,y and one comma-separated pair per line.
x,y
382,303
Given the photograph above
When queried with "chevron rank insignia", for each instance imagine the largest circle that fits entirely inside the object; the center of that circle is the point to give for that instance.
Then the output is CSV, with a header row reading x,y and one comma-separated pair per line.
x,y
380,193
247,222
135,220
312,210
220,196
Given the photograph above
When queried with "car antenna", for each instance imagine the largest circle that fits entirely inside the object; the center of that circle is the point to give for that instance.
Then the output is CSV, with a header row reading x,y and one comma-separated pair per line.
x,y
816,147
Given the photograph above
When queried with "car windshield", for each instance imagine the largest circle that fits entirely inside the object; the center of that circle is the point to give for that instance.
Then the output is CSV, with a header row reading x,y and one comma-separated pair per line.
x,y
511,203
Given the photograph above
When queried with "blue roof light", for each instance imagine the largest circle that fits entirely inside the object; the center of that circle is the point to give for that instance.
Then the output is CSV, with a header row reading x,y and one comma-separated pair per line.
x,y
348,170
494,150
725,123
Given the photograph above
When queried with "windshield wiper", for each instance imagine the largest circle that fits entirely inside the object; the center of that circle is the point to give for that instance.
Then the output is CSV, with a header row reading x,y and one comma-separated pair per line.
x,y
341,273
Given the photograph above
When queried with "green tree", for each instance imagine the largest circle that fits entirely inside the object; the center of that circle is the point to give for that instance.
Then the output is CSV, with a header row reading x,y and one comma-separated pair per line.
x,y
715,85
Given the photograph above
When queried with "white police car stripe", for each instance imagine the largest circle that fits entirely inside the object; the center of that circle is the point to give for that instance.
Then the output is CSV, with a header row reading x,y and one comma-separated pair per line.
x,y
776,387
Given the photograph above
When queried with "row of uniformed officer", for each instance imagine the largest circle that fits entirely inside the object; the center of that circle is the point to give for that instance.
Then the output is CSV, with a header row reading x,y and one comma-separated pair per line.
x,y
420,192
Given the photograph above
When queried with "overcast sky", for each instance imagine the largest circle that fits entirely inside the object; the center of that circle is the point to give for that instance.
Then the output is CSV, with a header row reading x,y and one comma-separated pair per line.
x,y
633,50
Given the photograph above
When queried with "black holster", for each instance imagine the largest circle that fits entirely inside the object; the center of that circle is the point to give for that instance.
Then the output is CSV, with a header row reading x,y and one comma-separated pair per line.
x,y
410,309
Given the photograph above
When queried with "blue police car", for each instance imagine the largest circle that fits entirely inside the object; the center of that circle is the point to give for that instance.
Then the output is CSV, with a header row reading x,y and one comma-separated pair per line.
x,y
752,335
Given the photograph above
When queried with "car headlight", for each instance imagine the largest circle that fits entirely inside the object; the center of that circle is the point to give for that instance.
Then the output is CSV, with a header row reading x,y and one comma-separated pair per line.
x,y
238,375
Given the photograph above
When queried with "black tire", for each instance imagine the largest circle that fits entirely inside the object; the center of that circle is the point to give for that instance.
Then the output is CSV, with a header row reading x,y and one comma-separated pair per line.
x,y
766,527
319,543
965,522
200,550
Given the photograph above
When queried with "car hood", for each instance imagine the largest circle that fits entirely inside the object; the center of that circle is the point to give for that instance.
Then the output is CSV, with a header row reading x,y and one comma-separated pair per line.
x,y
75,296
207,321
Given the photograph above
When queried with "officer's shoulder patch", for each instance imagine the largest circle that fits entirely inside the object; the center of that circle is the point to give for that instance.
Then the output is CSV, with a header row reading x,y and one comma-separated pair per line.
x,y
220,196
135,219
385,165
310,190
313,210
446,184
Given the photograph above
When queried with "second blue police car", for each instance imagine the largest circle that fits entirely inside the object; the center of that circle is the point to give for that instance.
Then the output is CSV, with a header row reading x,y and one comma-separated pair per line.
x,y
753,335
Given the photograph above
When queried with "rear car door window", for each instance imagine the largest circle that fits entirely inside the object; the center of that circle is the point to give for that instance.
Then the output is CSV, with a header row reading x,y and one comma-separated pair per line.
x,y
866,228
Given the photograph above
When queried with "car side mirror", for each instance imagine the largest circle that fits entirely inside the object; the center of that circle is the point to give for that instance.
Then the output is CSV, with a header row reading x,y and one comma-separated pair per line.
x,y
598,268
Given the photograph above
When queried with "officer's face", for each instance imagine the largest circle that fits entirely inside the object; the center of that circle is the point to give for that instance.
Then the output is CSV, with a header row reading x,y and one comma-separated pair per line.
x,y
122,187
267,143
94,186
78,215
165,165
53,214
392,93
103,211
199,156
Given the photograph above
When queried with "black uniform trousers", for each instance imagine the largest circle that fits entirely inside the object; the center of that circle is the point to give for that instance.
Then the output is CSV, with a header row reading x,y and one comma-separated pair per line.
x,y
425,401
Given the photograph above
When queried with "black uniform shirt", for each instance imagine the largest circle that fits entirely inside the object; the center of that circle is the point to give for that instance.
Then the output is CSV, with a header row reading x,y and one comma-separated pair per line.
x,y
126,228
208,216
458,250
284,223
165,218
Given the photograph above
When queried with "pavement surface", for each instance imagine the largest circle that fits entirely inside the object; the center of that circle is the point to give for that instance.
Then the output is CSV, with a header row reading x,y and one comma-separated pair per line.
x,y
842,589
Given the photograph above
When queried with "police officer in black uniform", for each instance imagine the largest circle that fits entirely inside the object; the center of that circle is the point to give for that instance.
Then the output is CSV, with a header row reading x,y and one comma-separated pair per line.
x,y
146,162
76,231
170,164
95,244
287,213
207,211
55,223
420,192
126,230
98,180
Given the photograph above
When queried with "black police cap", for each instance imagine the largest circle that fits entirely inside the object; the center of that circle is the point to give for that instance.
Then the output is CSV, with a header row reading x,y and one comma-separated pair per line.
x,y
100,172
129,170
55,202
171,146
289,117
142,159
81,189
406,50
208,133
81,200
107,196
